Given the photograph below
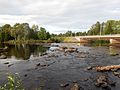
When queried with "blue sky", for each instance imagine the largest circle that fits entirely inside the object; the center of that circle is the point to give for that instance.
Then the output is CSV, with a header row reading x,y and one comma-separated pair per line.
x,y
59,16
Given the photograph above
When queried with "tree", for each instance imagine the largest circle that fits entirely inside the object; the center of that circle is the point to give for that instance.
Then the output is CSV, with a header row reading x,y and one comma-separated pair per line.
x,y
95,29
108,27
42,34
5,32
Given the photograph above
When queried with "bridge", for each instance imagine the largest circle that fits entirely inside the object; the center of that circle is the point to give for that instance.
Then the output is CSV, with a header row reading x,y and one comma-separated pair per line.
x,y
115,38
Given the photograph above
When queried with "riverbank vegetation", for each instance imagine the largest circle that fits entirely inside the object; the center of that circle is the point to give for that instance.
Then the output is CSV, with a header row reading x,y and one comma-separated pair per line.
x,y
14,83
23,33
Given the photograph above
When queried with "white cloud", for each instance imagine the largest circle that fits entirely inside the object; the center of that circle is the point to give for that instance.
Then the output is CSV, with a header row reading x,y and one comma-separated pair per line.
x,y
59,15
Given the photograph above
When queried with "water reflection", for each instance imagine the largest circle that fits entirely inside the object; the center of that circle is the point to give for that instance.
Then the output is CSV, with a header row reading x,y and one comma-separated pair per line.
x,y
24,52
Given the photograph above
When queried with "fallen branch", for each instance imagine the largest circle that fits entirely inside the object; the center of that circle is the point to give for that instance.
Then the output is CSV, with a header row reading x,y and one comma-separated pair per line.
x,y
107,68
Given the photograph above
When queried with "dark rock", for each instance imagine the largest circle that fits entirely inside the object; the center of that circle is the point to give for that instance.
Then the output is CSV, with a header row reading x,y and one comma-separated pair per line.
x,y
38,64
25,75
3,57
64,84
114,54
6,63
75,87
43,65
10,65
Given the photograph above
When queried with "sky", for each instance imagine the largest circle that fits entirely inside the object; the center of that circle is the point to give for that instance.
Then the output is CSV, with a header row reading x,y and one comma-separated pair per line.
x,y
59,16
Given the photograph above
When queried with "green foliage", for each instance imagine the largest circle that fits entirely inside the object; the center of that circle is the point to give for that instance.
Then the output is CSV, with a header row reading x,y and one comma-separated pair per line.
x,y
22,32
13,83
57,39
95,29
109,27
42,34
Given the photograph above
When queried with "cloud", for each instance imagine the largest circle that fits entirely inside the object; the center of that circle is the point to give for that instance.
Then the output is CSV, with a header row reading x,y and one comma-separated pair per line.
x,y
59,15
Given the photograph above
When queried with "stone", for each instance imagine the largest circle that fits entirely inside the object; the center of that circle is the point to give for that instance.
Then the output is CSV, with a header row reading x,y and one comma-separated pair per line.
x,y
89,68
111,83
75,87
114,70
10,65
64,84
114,54
3,57
38,64
116,73
6,63
101,80
25,75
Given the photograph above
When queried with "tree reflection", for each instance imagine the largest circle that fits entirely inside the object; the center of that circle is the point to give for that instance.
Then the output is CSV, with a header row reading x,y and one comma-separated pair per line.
x,y
24,52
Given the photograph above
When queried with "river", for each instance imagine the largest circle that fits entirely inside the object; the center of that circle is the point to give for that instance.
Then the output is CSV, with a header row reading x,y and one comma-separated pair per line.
x,y
41,68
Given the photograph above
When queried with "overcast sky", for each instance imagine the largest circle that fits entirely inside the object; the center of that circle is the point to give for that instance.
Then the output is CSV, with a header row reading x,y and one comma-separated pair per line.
x,y
59,15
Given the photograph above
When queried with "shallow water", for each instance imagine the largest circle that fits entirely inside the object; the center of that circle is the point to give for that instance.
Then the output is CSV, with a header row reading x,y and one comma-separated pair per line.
x,y
59,67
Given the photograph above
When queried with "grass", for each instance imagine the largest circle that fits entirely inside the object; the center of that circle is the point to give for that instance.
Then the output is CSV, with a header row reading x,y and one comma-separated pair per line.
x,y
13,83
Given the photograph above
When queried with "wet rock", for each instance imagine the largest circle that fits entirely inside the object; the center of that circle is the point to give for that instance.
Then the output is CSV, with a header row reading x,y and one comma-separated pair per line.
x,y
107,68
42,54
6,63
75,87
10,65
64,84
71,50
89,68
116,73
101,81
43,65
114,54
114,70
38,64
25,75
111,83
3,57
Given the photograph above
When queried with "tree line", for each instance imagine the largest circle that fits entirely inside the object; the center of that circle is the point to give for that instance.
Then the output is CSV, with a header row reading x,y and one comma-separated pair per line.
x,y
105,28
22,32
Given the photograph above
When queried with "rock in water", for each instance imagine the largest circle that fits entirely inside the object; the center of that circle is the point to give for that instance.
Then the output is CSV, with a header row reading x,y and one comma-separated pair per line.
x,y
64,84
6,63
75,87
3,57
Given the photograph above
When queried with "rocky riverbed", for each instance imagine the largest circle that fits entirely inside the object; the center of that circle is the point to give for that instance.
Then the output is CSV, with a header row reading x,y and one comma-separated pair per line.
x,y
66,68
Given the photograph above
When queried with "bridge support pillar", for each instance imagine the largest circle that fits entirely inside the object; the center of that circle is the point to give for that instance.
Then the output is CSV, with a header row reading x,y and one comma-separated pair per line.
x,y
114,41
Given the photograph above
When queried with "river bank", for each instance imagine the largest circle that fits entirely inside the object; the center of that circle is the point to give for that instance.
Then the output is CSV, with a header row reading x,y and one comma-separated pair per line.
x,y
60,70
